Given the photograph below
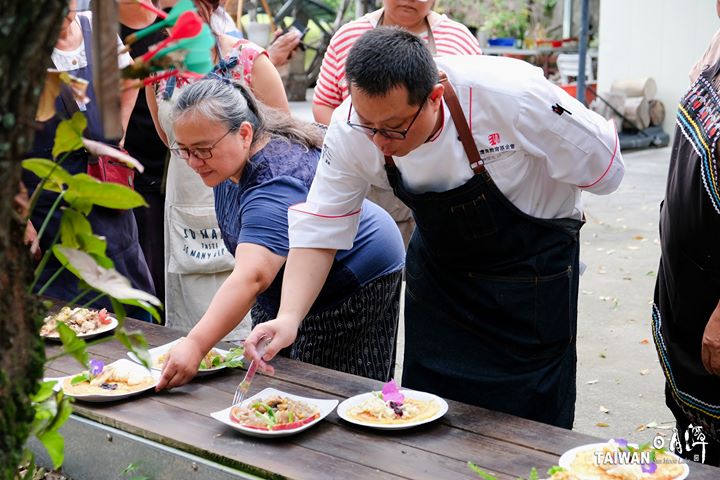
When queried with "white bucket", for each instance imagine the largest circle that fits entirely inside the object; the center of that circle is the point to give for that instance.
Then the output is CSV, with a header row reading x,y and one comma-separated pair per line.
x,y
258,33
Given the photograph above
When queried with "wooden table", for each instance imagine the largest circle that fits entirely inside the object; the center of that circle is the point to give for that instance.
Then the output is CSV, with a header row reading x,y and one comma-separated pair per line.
x,y
180,420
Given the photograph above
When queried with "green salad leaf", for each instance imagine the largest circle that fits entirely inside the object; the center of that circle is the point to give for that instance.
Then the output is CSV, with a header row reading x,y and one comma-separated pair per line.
x,y
83,377
233,359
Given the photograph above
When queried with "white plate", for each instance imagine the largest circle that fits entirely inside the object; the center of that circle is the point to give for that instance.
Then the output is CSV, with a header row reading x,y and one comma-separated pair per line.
x,y
423,396
568,457
325,407
110,396
103,328
162,349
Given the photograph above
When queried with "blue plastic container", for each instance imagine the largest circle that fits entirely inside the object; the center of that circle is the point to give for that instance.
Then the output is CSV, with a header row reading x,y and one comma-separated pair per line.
x,y
501,42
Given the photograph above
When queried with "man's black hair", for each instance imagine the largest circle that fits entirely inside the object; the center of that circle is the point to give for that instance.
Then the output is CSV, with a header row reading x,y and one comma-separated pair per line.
x,y
388,57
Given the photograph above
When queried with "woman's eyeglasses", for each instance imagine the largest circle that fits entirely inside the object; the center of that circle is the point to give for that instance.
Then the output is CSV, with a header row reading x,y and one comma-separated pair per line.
x,y
201,153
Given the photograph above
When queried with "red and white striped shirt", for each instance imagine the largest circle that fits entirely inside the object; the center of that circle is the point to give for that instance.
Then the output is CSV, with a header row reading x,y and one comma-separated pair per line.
x,y
451,38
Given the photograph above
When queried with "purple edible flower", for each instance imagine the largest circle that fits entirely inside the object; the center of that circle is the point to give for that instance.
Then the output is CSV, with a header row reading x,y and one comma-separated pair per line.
x,y
96,367
649,468
391,393
621,442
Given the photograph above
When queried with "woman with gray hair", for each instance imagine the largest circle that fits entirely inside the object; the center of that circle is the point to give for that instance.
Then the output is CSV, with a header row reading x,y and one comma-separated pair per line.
x,y
260,163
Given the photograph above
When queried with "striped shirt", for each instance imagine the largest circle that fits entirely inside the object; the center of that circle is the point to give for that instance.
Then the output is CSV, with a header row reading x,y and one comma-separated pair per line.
x,y
451,38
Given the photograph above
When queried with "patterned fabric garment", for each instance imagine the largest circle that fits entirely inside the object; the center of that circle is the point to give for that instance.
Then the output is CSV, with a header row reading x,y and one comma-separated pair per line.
x,y
688,280
357,336
698,118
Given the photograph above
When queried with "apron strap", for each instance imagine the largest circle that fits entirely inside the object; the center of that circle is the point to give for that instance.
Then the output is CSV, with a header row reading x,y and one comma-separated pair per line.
x,y
461,124
468,142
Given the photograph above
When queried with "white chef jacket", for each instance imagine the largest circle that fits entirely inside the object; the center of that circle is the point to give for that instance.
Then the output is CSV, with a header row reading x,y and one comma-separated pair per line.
x,y
539,159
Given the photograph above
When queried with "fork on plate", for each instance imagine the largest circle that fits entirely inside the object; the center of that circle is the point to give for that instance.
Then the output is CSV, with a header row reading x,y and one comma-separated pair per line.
x,y
243,387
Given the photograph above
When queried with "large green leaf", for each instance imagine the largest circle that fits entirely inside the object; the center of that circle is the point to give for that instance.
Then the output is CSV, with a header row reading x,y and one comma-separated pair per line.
x,y
44,392
56,176
68,136
76,232
72,345
119,311
54,443
145,306
111,195
72,225
135,342
106,280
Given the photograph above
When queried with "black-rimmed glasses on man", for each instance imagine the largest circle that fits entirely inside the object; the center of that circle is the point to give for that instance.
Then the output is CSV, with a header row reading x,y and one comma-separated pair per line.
x,y
387,133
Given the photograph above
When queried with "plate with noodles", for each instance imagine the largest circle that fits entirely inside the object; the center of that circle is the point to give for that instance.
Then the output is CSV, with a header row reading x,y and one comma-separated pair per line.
x,y
274,413
215,360
85,322
621,461
410,409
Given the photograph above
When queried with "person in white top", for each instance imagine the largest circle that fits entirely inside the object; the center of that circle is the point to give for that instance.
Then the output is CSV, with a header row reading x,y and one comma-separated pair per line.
x,y
442,36
492,160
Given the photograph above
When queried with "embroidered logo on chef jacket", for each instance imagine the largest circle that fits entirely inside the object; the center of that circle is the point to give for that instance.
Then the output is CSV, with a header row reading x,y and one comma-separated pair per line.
x,y
326,155
496,150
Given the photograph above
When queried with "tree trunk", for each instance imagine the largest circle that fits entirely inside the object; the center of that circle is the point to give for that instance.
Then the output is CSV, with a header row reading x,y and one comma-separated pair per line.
x,y
29,30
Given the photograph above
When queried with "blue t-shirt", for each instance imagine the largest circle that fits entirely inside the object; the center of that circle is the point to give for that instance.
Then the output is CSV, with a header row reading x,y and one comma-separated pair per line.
x,y
256,211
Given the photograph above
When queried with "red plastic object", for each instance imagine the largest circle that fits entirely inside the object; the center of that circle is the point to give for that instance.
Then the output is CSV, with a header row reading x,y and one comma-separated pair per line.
x,y
555,43
571,89
188,25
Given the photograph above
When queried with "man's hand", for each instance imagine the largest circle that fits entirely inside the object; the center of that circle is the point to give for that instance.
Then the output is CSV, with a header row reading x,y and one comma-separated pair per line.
x,y
181,364
711,343
282,332
283,47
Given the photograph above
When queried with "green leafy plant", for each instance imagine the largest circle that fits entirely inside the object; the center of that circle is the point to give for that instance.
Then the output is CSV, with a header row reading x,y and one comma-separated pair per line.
x,y
132,472
82,253
503,19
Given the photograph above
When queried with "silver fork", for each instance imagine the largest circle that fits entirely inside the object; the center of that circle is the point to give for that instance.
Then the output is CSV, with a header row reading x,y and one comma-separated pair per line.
x,y
243,387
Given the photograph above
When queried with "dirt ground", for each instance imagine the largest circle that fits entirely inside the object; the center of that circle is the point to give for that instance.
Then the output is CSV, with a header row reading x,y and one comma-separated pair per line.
x,y
620,383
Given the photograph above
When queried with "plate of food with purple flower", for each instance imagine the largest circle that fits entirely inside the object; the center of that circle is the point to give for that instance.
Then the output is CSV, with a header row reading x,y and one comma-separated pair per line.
x,y
617,459
106,383
392,408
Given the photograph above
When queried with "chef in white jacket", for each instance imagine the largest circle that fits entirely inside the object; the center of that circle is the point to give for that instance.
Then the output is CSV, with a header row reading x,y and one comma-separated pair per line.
x,y
492,159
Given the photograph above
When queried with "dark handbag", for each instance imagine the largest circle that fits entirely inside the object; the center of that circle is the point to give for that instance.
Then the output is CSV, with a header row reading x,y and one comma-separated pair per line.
x,y
108,169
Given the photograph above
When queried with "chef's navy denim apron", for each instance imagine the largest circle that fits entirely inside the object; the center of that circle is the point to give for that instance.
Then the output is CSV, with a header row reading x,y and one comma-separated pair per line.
x,y
118,227
491,297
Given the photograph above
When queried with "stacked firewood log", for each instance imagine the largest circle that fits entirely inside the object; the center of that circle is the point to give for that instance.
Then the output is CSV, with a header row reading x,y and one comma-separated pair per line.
x,y
631,104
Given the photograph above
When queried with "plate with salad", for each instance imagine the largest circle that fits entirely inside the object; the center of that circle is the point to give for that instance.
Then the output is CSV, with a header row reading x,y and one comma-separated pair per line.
x,y
215,360
274,413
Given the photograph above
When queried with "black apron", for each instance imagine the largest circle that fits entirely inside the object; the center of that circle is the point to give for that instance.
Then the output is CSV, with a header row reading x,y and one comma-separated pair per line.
x,y
118,227
491,297
688,283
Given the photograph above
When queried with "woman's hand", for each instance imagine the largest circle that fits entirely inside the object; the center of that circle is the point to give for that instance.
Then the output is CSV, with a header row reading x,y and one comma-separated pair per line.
x,y
711,343
181,364
282,331
283,46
